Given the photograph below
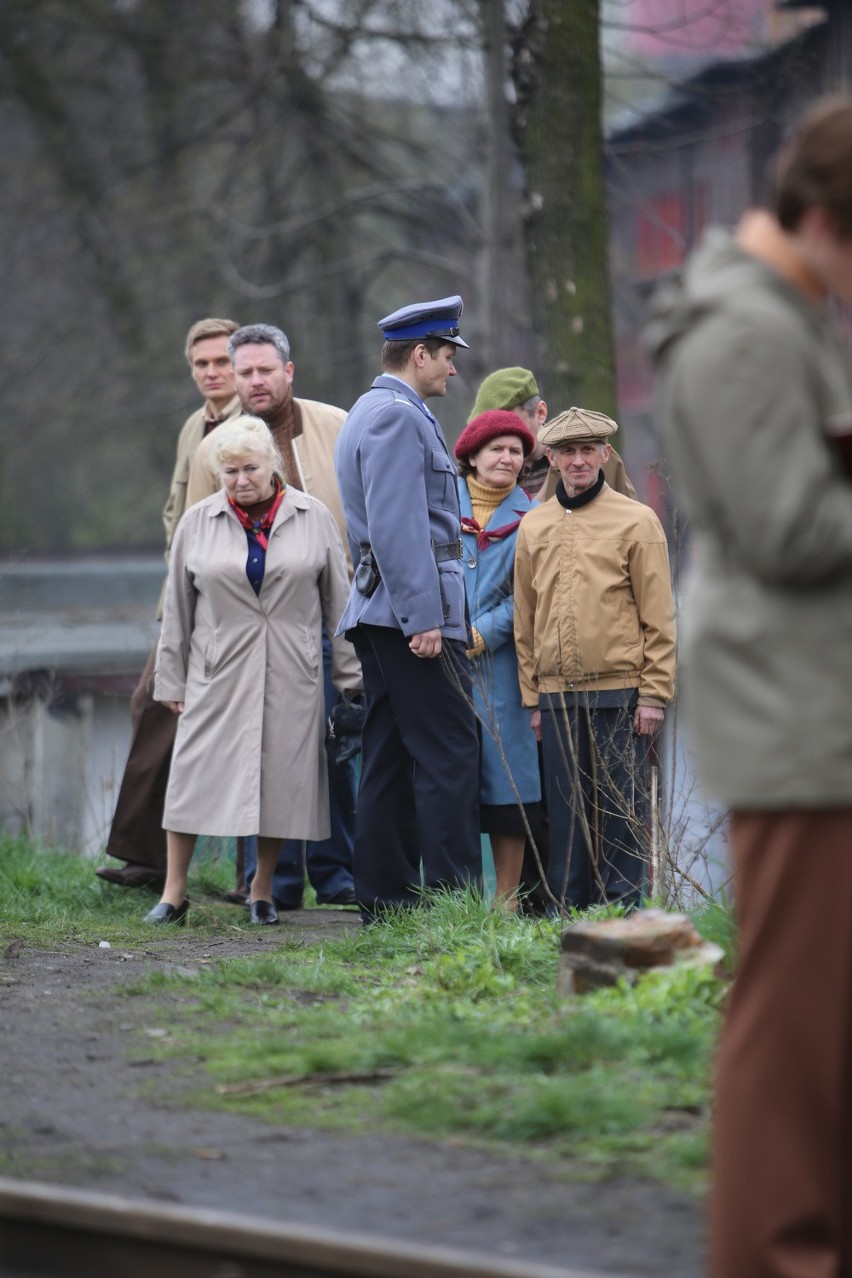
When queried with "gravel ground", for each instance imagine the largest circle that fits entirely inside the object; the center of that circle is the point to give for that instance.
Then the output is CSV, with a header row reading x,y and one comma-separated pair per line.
x,y
82,1106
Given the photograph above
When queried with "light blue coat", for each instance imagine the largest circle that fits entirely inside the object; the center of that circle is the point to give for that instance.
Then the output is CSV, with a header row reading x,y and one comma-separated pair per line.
x,y
506,728
397,483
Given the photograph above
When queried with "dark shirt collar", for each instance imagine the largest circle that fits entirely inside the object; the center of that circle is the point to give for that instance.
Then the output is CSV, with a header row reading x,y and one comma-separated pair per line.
x,y
582,499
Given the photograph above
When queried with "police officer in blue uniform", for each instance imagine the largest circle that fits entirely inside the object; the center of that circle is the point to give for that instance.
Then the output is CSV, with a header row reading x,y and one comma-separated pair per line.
x,y
418,801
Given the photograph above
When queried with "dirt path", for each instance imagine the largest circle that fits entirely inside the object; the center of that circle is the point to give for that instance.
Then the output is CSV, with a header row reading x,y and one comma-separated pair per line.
x,y
80,1105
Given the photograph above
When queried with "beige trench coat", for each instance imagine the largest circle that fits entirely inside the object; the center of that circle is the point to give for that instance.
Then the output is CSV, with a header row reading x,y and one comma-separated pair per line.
x,y
249,756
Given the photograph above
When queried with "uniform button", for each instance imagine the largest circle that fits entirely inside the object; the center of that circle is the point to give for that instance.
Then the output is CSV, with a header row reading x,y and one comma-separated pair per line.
x,y
471,563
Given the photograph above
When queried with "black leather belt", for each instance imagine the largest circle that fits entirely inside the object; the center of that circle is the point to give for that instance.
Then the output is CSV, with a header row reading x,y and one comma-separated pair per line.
x,y
446,550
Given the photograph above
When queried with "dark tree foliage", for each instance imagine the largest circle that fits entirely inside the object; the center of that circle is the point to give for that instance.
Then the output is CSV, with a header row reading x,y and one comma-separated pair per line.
x,y
160,162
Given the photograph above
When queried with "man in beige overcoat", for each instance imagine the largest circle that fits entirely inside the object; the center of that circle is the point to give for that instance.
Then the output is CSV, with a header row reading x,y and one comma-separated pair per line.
x,y
136,836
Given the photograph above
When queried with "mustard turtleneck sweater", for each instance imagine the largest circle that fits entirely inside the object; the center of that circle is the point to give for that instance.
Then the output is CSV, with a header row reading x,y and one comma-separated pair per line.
x,y
484,501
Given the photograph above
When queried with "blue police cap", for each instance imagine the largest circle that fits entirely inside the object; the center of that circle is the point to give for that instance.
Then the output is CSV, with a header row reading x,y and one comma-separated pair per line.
x,y
426,319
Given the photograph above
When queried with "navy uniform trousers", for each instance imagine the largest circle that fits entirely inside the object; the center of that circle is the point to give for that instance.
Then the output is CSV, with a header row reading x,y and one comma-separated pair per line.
x,y
418,801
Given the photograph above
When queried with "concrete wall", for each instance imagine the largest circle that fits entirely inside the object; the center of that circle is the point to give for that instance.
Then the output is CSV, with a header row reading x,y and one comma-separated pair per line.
x,y
74,637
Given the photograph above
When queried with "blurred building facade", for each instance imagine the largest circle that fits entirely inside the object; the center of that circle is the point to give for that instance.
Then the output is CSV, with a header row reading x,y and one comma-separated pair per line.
x,y
729,89
701,154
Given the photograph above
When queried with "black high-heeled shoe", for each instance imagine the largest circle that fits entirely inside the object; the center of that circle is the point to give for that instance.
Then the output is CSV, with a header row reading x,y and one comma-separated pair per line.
x,y
264,913
165,913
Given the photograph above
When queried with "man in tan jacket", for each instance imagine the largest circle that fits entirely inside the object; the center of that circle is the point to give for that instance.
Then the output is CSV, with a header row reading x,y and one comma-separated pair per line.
x,y
594,630
136,835
305,431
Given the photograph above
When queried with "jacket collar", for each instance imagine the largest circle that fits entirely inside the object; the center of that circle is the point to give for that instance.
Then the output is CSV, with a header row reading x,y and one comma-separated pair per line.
x,y
293,500
511,508
386,381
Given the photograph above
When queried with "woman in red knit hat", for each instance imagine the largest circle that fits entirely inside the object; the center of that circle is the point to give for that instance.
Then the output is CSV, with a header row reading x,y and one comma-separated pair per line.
x,y
491,451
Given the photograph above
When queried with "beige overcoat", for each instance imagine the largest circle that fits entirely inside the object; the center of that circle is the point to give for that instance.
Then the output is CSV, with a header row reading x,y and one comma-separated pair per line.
x,y
249,757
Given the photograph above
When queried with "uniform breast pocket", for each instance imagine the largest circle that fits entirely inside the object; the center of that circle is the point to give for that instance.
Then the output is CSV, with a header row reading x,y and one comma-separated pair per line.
x,y
441,478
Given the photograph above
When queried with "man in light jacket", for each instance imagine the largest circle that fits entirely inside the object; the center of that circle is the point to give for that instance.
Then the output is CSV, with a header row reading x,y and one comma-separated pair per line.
x,y
756,414
136,835
594,632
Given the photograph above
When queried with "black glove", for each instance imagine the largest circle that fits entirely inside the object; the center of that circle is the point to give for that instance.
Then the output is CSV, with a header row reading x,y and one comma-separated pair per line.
x,y
343,740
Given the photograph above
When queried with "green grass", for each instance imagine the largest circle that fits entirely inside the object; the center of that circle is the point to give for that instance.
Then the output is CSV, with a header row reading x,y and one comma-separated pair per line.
x,y
453,1006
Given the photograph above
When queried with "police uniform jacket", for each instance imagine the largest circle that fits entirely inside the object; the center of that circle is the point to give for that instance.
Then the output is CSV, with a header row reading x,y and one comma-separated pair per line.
x,y
398,486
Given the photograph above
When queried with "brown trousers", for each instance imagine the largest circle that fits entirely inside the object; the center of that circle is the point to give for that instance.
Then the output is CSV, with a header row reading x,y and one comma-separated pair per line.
x,y
781,1203
137,832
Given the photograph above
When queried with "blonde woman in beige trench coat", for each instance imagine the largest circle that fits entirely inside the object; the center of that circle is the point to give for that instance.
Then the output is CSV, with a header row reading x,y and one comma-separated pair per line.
x,y
240,661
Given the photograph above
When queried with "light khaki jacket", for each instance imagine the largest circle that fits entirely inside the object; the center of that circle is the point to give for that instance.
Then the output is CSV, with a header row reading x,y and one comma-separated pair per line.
x,y
191,435
593,600
314,453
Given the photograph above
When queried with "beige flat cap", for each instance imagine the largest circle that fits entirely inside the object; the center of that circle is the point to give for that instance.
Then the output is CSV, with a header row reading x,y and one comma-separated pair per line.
x,y
574,424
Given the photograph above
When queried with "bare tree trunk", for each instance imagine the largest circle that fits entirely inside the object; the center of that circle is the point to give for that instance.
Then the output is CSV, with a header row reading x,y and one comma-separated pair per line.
x,y
557,74
497,232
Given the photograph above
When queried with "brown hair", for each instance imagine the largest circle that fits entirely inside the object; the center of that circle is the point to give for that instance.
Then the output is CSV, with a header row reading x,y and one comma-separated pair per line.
x,y
208,328
815,167
395,355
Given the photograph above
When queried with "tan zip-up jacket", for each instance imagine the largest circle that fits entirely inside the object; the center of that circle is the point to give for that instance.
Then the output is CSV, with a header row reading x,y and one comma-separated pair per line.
x,y
593,600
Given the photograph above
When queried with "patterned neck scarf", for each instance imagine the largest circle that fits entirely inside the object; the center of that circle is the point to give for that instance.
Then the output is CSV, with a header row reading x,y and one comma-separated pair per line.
x,y
259,527
482,498
486,537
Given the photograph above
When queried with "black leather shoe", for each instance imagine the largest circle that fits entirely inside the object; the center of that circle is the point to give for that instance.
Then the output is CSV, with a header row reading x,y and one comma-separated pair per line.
x,y
165,913
346,896
133,874
264,913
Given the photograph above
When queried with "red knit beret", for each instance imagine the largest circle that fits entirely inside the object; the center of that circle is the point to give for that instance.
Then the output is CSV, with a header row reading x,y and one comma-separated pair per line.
x,y
487,426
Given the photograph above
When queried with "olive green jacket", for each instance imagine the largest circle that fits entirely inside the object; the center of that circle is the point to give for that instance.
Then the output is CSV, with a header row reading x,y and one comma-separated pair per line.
x,y
753,385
